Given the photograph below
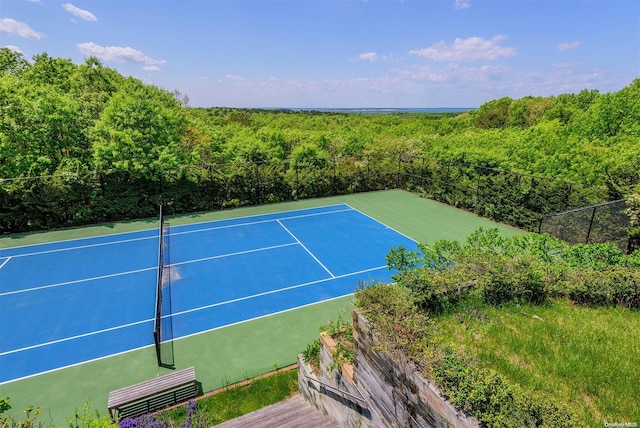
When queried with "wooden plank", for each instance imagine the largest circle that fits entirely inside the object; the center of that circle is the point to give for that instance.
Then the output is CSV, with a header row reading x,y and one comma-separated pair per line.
x,y
292,413
151,387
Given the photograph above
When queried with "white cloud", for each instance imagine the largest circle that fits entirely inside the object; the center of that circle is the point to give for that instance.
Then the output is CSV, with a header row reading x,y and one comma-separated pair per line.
x,y
568,45
368,56
80,13
462,4
14,48
151,68
469,49
11,26
117,53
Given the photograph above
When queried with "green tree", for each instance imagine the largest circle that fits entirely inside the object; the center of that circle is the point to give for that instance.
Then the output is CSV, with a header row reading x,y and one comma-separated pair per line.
x,y
12,62
139,132
46,70
39,127
494,114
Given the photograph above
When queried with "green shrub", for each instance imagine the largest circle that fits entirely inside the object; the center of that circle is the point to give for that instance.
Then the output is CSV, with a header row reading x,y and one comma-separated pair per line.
x,y
522,279
434,291
493,400
614,286
312,355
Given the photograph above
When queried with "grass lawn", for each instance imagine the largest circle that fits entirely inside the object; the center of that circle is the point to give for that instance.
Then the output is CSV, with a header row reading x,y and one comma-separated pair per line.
x,y
586,357
241,400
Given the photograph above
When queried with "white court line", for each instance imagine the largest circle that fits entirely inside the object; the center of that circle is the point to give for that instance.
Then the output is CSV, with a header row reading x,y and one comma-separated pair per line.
x,y
135,271
76,281
101,244
306,249
60,284
253,296
61,241
5,262
155,236
273,220
278,290
379,222
179,338
79,336
261,316
264,215
155,229
220,256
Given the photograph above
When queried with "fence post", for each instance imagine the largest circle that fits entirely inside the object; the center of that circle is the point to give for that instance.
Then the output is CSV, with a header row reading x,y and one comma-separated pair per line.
x,y
295,167
368,172
593,214
399,169
335,179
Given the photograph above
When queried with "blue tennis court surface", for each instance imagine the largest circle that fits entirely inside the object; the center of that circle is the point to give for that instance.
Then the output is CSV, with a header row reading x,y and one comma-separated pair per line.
x,y
68,302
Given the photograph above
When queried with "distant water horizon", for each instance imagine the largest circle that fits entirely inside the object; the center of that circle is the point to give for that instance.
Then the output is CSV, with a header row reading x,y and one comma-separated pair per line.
x,y
378,110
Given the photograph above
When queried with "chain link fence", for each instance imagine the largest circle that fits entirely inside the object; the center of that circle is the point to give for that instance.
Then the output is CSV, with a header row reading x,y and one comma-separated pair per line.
x,y
43,203
606,222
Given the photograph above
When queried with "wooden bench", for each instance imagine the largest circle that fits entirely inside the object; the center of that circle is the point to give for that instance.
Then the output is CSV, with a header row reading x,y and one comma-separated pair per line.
x,y
154,394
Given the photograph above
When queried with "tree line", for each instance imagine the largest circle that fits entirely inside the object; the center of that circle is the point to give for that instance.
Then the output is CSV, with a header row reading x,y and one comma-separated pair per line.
x,y
80,143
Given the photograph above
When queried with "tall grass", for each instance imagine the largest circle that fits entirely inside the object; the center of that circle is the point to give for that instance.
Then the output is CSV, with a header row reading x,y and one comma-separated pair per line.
x,y
586,357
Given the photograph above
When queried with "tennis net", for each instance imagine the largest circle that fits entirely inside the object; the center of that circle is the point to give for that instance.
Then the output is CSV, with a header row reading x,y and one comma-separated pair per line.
x,y
163,325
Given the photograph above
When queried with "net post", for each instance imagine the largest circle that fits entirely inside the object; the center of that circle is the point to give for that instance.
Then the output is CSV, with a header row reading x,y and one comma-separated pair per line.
x,y
157,325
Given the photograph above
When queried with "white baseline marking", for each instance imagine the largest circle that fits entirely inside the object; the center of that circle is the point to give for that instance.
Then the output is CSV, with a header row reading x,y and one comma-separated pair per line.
x,y
5,262
306,249
381,223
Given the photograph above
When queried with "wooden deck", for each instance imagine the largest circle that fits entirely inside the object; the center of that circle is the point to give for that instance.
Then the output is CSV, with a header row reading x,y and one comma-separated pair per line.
x,y
292,413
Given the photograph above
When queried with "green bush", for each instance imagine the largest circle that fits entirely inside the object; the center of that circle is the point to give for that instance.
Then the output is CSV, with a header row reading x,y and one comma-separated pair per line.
x,y
435,292
493,400
514,280
311,355
614,286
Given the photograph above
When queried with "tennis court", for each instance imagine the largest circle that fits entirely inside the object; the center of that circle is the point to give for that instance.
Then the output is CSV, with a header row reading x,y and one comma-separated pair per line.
x,y
74,301
93,295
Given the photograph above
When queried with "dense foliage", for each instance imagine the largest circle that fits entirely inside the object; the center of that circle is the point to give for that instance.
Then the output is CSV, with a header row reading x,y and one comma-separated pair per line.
x,y
83,144
455,279
522,269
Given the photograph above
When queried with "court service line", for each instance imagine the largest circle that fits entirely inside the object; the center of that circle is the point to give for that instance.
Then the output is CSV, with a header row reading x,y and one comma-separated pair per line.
x,y
306,249
76,281
278,290
5,262
78,336
220,256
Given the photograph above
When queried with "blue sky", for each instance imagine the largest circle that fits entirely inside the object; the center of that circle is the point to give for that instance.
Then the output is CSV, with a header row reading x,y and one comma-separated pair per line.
x,y
341,53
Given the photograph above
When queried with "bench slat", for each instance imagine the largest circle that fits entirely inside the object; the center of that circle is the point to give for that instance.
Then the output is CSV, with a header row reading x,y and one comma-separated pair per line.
x,y
151,387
